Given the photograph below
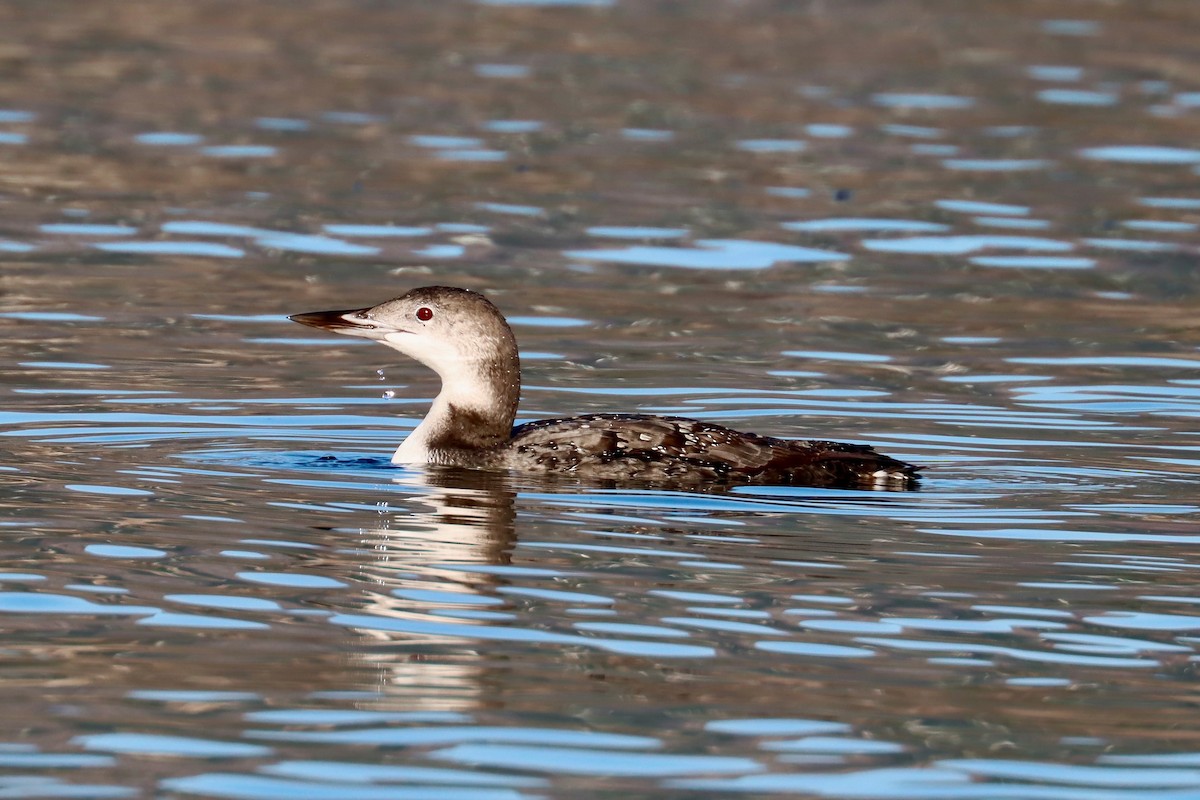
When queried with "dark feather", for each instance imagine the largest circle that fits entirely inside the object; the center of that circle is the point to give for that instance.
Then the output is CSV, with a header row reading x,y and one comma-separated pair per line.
x,y
674,449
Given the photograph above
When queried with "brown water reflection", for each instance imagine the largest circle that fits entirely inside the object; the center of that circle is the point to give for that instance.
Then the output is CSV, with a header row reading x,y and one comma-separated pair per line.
x,y
795,218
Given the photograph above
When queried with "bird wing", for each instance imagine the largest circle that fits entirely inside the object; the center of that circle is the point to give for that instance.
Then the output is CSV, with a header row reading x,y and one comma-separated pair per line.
x,y
674,448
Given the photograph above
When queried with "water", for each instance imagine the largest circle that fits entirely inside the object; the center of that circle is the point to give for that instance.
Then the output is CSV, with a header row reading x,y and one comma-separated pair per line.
x,y
965,237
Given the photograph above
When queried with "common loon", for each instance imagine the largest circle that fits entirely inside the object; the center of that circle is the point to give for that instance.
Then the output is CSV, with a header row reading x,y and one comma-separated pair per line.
x,y
465,339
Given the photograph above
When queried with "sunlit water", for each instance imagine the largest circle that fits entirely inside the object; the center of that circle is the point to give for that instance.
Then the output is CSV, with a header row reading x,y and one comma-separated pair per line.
x,y
784,219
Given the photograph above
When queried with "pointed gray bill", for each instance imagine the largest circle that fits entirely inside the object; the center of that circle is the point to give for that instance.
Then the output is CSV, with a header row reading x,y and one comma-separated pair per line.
x,y
354,319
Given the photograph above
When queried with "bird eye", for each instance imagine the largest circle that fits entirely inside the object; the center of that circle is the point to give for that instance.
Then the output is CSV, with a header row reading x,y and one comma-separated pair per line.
x,y
424,313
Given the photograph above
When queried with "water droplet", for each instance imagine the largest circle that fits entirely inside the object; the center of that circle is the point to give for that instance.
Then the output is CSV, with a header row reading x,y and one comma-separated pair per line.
x,y
379,372
389,394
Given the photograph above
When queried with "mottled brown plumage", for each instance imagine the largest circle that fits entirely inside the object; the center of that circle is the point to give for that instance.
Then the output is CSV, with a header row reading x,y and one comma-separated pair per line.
x,y
678,450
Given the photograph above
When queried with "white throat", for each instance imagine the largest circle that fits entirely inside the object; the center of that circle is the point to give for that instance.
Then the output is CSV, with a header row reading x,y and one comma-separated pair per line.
x,y
415,448
466,399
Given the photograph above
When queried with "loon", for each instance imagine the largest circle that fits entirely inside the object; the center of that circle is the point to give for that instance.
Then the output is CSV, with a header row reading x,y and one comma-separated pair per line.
x,y
464,338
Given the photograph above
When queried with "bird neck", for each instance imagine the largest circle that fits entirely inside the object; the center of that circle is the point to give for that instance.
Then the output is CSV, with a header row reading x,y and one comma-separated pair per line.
x,y
473,412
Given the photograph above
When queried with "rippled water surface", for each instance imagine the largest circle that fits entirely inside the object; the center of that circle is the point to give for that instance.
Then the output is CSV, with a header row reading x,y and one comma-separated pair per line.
x,y
964,233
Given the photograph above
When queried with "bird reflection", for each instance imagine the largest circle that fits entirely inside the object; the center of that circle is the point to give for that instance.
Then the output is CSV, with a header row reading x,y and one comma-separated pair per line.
x,y
422,560
456,516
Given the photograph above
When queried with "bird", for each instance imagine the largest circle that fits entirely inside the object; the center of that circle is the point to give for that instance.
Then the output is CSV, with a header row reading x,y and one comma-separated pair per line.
x,y
465,339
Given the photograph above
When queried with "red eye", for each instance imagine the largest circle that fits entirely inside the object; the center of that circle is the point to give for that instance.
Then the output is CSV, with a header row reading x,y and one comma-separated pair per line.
x,y
424,313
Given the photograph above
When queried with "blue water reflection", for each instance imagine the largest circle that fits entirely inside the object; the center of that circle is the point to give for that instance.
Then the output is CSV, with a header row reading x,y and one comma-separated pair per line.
x,y
172,248
169,139
1077,97
960,245
1143,154
924,101
996,164
711,254
1055,73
